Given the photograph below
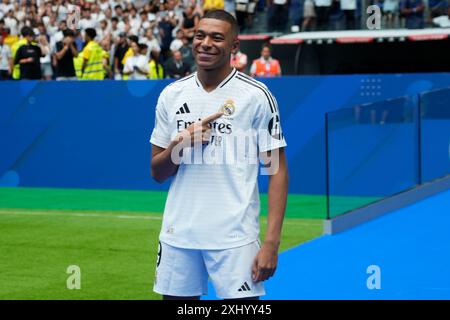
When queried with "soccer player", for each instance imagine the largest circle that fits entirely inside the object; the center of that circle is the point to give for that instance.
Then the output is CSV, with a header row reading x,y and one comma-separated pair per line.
x,y
211,218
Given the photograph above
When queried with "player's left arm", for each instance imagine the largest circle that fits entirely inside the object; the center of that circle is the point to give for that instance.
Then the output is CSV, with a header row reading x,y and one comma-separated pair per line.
x,y
265,262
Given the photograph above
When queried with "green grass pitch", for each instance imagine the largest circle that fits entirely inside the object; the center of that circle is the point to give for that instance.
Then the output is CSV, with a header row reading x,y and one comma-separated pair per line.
x,y
111,235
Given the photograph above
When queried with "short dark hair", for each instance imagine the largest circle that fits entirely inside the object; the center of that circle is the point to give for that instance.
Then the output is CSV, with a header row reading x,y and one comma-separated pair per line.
x,y
266,45
91,33
224,16
142,46
68,33
27,31
134,38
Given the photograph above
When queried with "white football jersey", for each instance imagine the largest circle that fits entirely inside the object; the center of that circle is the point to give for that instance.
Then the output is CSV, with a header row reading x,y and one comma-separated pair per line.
x,y
213,200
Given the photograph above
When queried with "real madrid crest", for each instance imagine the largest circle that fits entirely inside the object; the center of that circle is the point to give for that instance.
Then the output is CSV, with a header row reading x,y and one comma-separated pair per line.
x,y
228,108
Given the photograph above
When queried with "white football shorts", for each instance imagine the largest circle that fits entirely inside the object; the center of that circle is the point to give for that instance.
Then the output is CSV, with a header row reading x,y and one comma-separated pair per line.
x,y
184,272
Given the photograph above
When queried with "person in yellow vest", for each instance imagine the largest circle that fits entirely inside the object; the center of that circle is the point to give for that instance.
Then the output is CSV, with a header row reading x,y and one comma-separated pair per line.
x,y
265,66
92,55
209,5
14,48
78,64
11,39
156,68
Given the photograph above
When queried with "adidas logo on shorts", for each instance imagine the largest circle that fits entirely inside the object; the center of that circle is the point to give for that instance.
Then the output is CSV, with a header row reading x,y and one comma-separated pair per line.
x,y
245,287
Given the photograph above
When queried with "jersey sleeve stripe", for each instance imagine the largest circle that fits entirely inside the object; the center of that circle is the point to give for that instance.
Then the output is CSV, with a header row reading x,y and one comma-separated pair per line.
x,y
259,87
257,83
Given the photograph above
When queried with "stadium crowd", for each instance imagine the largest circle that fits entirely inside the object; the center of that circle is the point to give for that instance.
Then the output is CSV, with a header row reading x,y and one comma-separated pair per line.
x,y
106,39
140,39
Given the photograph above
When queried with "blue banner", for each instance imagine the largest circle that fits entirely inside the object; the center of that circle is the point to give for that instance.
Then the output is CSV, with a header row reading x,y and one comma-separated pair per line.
x,y
95,134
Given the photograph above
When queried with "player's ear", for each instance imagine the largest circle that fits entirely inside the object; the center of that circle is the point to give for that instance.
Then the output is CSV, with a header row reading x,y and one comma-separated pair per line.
x,y
235,45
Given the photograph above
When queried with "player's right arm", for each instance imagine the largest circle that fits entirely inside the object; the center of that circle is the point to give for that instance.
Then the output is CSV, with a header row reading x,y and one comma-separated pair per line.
x,y
161,165
165,161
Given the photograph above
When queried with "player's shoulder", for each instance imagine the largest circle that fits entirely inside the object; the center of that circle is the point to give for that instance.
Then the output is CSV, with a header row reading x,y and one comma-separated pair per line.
x,y
181,84
255,88
174,89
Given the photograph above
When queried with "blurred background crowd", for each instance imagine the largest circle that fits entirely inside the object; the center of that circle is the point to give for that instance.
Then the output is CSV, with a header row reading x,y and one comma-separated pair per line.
x,y
142,39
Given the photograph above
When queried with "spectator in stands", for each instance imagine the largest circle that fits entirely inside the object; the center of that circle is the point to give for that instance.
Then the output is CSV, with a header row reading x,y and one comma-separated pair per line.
x,y
412,11
348,7
176,67
177,43
322,9
5,7
137,66
265,66
2,28
131,39
114,29
5,59
438,8
239,61
309,16
12,23
144,23
28,56
66,51
87,21
96,14
241,10
156,69
295,14
46,60
102,30
245,9
277,15
118,11
167,23
190,21
58,34
151,42
390,11
186,53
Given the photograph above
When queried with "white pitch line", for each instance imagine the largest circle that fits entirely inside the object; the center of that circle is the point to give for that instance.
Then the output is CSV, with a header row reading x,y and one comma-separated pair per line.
x,y
121,216
88,215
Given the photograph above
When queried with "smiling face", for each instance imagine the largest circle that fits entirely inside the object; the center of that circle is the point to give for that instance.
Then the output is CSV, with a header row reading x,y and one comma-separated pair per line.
x,y
213,43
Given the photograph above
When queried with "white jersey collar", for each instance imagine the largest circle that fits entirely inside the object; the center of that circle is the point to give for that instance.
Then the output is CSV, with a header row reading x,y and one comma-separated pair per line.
x,y
222,84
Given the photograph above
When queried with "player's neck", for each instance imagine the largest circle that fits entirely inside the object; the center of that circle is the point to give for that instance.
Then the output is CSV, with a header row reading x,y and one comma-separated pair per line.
x,y
210,79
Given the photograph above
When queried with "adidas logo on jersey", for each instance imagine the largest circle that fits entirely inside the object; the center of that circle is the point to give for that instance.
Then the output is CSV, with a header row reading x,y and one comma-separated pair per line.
x,y
183,109
244,287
